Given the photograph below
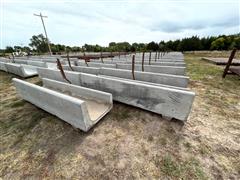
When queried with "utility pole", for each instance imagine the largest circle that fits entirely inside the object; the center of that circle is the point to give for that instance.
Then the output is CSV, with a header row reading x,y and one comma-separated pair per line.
x,y
40,15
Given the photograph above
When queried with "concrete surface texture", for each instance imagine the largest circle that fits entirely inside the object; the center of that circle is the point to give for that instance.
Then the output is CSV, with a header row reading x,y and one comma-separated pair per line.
x,y
170,55
21,69
146,82
93,64
165,79
32,63
138,58
155,69
146,62
81,107
41,59
169,102
159,59
3,67
147,68
6,60
55,74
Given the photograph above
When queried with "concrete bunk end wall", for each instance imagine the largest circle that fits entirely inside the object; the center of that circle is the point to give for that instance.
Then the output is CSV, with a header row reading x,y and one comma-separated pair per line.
x,y
146,77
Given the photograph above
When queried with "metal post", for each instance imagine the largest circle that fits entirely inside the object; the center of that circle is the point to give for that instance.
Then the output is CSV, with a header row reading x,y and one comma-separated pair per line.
x,y
229,62
150,58
111,56
85,59
143,61
13,58
61,70
101,57
69,63
133,66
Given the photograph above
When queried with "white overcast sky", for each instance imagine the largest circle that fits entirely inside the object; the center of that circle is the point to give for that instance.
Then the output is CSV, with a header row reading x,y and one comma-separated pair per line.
x,y
76,22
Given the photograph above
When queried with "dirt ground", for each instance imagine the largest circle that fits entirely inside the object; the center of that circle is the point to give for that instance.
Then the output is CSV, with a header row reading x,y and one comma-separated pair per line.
x,y
128,143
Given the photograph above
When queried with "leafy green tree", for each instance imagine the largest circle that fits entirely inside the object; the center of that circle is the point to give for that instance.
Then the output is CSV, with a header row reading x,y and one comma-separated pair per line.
x,y
112,44
9,49
218,44
135,47
235,43
39,43
152,46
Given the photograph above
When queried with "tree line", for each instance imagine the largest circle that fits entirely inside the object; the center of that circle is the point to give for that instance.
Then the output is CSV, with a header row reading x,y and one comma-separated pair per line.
x,y
38,44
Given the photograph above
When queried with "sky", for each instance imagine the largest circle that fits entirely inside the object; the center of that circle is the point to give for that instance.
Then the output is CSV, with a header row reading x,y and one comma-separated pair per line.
x,y
76,22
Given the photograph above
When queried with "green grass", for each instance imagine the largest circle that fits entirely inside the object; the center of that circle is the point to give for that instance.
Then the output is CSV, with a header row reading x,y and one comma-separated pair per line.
x,y
214,54
122,113
199,69
18,103
181,169
216,89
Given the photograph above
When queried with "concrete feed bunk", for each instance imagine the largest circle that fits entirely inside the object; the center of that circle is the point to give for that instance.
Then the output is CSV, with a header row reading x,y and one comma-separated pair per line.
x,y
3,66
164,79
21,69
146,62
32,63
81,107
169,102
175,70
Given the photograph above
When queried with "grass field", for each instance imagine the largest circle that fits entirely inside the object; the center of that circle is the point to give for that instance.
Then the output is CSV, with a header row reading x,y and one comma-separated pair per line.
x,y
215,54
128,143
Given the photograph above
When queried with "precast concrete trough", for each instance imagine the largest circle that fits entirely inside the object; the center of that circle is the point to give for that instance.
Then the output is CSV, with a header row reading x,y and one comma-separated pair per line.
x,y
52,65
21,70
147,68
41,59
32,63
79,106
147,59
163,79
146,62
3,66
5,60
169,102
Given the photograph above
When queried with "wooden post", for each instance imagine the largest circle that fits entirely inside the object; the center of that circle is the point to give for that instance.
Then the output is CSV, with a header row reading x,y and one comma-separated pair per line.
x,y
156,56
59,65
133,66
143,61
48,42
229,62
119,54
150,58
69,63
